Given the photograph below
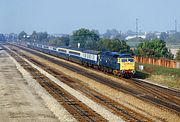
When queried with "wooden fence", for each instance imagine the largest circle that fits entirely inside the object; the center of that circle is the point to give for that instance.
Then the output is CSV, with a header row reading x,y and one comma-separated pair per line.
x,y
160,62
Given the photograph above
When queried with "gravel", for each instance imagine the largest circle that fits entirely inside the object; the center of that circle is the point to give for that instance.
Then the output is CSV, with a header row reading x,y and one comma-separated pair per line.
x,y
147,109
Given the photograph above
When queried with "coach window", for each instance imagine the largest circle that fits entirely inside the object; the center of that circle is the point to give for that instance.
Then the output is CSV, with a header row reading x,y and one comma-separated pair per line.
x,y
75,53
62,50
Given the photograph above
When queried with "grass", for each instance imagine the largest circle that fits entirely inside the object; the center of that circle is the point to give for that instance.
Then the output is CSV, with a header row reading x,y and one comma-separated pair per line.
x,y
162,75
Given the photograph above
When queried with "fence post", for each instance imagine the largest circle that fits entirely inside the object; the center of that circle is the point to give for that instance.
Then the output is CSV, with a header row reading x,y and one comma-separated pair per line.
x,y
160,62
178,64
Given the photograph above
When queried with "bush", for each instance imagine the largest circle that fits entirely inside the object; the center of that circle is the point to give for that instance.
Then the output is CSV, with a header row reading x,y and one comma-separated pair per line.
x,y
178,55
155,48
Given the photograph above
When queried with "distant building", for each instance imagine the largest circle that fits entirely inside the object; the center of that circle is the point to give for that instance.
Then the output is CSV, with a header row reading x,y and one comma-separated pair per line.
x,y
171,32
11,37
174,52
158,34
134,36
60,35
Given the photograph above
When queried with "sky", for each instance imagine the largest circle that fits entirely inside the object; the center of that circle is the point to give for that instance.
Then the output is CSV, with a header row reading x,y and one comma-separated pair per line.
x,y
65,16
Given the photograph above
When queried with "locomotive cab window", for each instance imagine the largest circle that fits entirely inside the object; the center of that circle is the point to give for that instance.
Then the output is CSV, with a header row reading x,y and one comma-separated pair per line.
x,y
124,60
131,60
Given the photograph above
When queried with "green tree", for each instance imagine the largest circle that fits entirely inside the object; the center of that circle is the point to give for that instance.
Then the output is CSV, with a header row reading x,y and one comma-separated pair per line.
x,y
111,33
178,55
151,36
2,38
53,42
40,37
60,41
155,48
174,38
85,37
114,45
22,35
163,36
34,36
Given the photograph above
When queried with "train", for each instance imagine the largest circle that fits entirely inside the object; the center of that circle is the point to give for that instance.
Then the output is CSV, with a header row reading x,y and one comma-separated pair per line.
x,y
118,64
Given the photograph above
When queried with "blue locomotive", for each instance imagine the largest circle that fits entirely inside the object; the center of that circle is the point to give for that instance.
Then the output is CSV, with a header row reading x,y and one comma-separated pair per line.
x,y
112,62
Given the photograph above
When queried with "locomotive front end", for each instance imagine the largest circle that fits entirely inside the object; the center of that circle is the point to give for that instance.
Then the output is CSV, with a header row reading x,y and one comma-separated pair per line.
x,y
127,65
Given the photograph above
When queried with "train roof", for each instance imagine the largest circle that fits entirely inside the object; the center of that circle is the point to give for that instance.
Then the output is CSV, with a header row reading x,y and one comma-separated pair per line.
x,y
71,48
91,52
63,47
77,49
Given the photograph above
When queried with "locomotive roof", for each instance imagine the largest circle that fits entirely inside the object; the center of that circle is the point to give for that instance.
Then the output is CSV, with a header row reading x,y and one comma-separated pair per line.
x,y
117,54
125,56
110,53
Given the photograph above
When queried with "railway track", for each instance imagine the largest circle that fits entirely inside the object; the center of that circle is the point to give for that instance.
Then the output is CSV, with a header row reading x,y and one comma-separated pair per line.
x,y
171,95
165,97
78,109
116,108
165,100
173,92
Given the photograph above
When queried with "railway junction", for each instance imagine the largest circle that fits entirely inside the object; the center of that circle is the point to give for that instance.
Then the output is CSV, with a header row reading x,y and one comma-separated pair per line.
x,y
39,87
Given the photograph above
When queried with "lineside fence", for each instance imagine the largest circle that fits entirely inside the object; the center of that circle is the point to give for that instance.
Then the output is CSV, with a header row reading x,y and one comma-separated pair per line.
x,y
160,62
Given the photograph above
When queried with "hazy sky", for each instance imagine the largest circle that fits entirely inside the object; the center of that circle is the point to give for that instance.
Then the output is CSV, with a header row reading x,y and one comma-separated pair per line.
x,y
64,16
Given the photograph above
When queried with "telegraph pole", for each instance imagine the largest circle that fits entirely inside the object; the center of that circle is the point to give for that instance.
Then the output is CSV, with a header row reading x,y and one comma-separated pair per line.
x,y
136,27
175,25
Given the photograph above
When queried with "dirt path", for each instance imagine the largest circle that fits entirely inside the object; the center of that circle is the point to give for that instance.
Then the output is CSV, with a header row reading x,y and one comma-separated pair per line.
x,y
18,103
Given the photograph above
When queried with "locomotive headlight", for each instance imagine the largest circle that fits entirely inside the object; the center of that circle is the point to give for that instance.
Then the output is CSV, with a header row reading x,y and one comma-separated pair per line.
x,y
122,71
133,71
